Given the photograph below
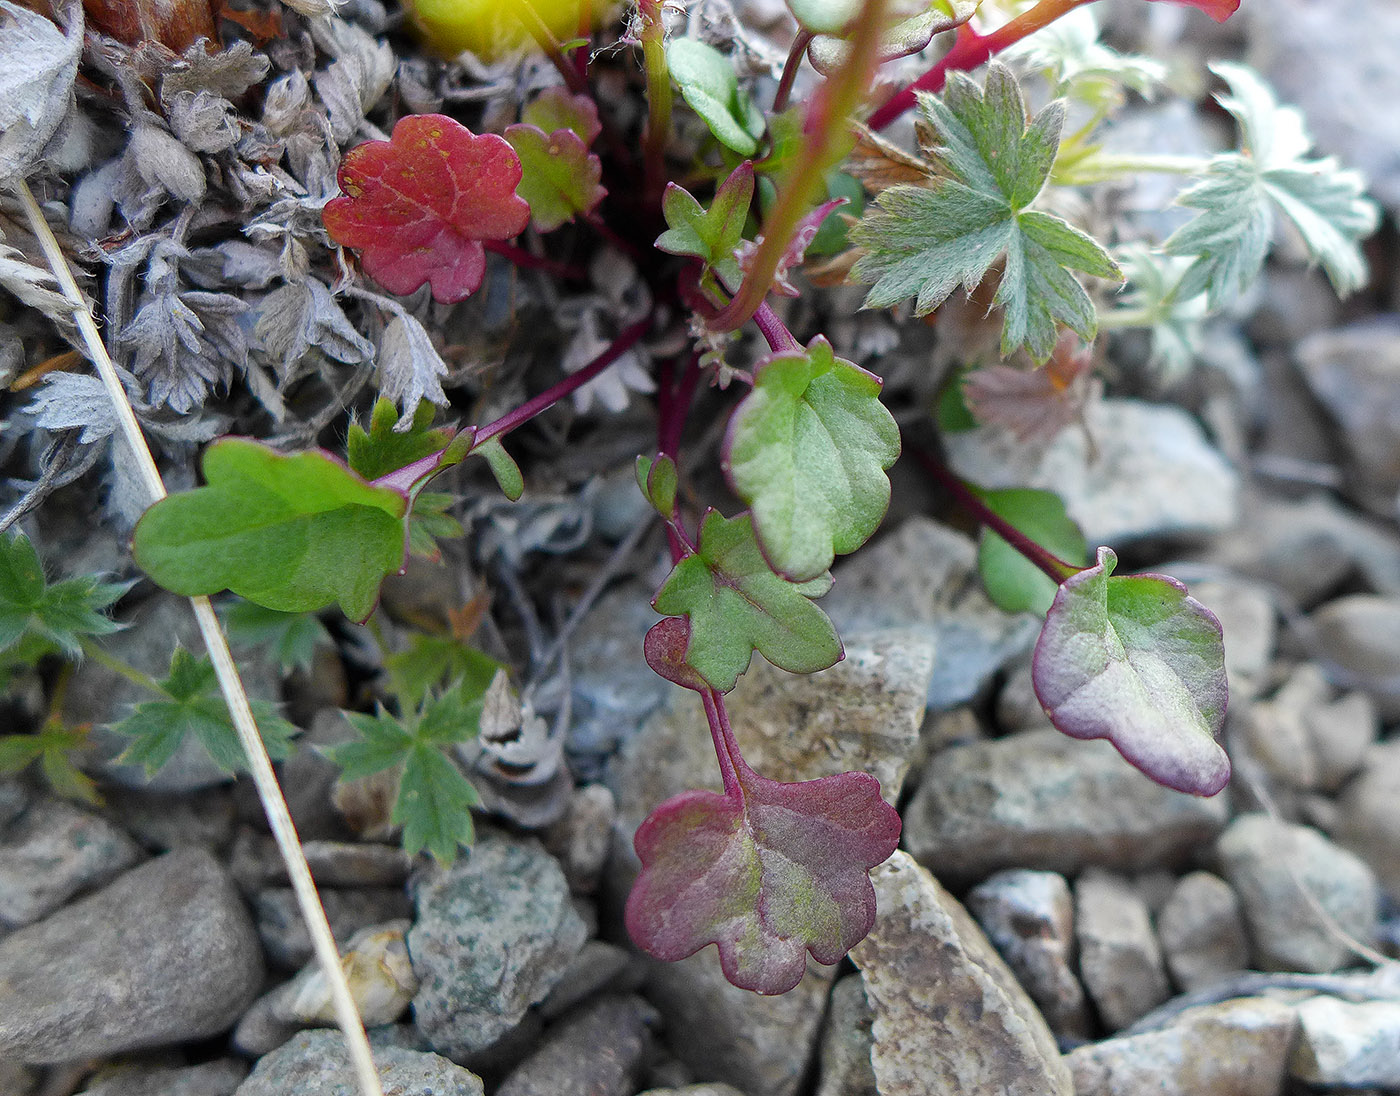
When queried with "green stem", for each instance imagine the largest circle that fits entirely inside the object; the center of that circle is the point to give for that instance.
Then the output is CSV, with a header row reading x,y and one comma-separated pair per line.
x,y
828,122
1101,167
658,77
117,666
550,47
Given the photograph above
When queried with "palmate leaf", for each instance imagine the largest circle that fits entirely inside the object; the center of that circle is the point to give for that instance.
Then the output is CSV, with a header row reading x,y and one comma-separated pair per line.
x,y
292,638
54,614
194,705
926,241
736,605
1138,661
53,747
767,873
292,533
381,449
807,449
1238,198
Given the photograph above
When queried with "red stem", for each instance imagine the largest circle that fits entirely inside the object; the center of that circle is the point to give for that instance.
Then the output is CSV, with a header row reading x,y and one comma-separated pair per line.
x,y
723,736
529,261
774,330
790,67
553,394
970,50
673,404
1057,569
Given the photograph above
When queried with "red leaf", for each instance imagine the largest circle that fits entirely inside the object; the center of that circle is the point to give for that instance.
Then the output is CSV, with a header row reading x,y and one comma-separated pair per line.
x,y
766,873
1219,10
664,649
1034,404
418,205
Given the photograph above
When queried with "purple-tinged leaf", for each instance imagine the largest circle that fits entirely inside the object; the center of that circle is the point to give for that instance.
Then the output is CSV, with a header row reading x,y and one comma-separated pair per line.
x,y
796,250
664,649
1136,660
766,873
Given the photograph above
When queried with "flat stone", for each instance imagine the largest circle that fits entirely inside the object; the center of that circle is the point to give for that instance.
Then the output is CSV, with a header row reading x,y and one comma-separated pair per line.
x,y
1275,731
1029,918
705,1088
316,1063
1340,733
1119,957
161,822
1347,1044
348,864
1201,929
923,577
52,850
1041,800
493,934
164,954
949,1015
595,1051
598,966
218,1078
1265,861
1150,472
1370,815
846,1043
581,839
1236,1048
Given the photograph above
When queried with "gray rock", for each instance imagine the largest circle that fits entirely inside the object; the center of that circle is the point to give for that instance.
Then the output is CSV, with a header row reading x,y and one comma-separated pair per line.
x,y
1266,861
1275,731
705,1088
492,936
1236,1048
345,864
1017,707
1246,613
1151,472
217,1078
598,966
949,1015
846,1043
50,852
1370,815
164,822
1202,931
1354,371
1119,957
1041,800
17,1079
1360,636
315,1063
581,839
1029,917
100,696
1341,732
1294,40
284,934
164,954
596,1051
1348,1044
923,577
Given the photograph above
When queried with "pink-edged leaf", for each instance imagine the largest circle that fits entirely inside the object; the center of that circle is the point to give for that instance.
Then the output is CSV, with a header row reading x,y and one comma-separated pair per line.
x,y
1034,404
1136,660
555,108
796,250
418,205
664,649
1219,10
560,179
767,874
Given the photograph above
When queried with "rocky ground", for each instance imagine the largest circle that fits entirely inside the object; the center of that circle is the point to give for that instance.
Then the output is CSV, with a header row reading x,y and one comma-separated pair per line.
x,y
1054,922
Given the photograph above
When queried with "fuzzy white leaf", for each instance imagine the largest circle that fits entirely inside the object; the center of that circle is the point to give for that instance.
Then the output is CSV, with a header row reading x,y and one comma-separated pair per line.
x,y
163,161
30,284
410,369
204,122
227,74
301,315
38,64
67,400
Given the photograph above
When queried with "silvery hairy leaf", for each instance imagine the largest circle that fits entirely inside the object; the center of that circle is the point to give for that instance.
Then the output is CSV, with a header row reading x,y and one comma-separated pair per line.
x,y
30,284
296,317
410,368
162,161
68,400
355,80
184,344
227,74
234,262
203,122
38,63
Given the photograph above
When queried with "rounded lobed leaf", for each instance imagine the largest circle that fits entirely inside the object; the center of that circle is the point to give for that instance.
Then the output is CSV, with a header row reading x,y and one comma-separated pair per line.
x,y
1136,660
664,649
807,449
418,205
768,874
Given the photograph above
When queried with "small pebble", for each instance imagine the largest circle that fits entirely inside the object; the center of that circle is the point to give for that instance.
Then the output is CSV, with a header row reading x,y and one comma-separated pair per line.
x,y
1119,957
1202,931
315,1063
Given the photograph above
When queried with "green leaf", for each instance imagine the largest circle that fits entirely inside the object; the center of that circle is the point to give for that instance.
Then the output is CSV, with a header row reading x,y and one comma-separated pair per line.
x,y
1153,300
736,605
193,704
293,533
555,108
1136,660
381,449
1012,581
506,471
58,613
430,523
434,799
1238,198
709,85
291,637
53,747
926,241
560,177
658,479
711,235
824,16
900,38
807,449
431,662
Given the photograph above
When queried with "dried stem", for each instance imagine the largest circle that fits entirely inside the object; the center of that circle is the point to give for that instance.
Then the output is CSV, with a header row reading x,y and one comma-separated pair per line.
x,y
274,805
